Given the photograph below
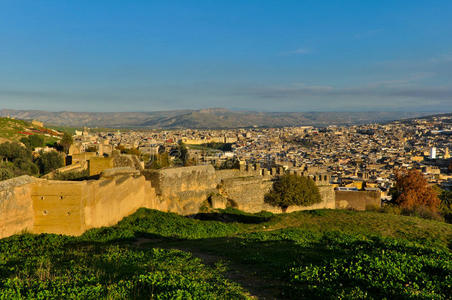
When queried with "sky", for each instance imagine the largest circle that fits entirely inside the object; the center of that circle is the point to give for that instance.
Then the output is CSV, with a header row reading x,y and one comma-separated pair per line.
x,y
260,55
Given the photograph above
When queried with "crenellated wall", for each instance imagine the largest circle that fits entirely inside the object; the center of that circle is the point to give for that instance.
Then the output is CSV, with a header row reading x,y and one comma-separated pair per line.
x,y
247,194
72,207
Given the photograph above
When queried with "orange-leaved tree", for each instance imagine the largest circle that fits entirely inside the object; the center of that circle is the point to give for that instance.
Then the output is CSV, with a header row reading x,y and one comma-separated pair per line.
x,y
412,190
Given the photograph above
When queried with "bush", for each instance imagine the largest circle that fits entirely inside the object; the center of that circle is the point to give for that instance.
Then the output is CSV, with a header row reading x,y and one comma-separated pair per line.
x,y
293,190
391,209
422,212
72,175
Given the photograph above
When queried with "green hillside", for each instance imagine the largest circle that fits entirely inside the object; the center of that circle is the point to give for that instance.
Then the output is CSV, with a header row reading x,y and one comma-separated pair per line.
x,y
323,254
14,130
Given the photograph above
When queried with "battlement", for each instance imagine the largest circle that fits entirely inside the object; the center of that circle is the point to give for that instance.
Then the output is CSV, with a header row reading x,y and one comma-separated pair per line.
x,y
320,178
72,207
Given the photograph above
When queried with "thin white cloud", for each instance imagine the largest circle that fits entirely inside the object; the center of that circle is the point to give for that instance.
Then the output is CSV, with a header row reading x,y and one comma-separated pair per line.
x,y
443,93
299,51
410,79
441,58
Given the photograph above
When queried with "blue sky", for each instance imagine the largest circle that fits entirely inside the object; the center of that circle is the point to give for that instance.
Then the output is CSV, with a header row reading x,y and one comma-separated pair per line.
x,y
255,55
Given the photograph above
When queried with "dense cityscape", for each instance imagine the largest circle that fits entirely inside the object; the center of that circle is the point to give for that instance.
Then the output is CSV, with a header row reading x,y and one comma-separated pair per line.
x,y
365,156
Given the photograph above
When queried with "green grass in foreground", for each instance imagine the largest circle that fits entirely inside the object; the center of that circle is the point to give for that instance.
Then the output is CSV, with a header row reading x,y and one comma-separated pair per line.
x,y
323,254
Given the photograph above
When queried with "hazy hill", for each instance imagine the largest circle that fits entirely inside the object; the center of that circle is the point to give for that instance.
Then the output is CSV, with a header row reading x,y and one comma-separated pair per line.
x,y
206,118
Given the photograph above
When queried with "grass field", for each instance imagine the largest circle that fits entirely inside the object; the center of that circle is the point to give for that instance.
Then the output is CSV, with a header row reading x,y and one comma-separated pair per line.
x,y
322,254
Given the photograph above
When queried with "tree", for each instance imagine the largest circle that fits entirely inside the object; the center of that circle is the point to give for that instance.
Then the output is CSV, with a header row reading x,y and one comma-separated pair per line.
x,y
13,151
446,205
180,154
293,190
33,141
66,142
25,167
230,163
47,162
5,173
158,161
412,190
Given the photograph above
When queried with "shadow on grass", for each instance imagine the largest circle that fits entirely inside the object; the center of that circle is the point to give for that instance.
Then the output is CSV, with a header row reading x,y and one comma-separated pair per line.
x,y
260,267
227,217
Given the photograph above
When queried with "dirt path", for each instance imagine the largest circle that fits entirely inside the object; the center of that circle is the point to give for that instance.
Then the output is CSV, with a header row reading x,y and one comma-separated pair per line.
x,y
249,280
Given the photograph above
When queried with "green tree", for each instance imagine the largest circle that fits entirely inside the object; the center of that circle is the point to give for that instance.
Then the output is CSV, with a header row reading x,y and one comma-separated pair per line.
x,y
66,142
47,162
6,173
36,141
13,151
293,190
180,154
158,161
33,141
16,160
230,163
446,204
25,167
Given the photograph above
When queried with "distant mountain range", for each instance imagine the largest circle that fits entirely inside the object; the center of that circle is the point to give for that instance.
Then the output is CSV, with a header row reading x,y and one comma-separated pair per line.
x,y
212,118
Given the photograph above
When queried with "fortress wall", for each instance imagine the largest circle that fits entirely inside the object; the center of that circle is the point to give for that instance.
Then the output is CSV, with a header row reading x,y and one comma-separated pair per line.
x,y
230,173
98,164
16,211
247,193
112,199
357,199
71,207
57,206
78,166
183,189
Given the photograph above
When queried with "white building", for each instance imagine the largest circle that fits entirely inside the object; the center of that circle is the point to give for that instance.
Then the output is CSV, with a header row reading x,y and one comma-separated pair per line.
x,y
433,153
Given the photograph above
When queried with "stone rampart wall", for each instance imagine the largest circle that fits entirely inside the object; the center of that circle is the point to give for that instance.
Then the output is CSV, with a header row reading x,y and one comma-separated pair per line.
x,y
16,211
247,194
183,190
112,199
66,207
57,206
70,207
357,200
97,165
230,173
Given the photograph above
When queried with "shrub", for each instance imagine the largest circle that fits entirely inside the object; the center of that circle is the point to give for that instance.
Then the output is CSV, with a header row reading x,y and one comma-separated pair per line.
x,y
72,175
422,212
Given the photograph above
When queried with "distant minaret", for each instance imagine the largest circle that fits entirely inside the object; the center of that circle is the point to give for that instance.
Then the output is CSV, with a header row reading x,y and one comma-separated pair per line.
x,y
433,153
